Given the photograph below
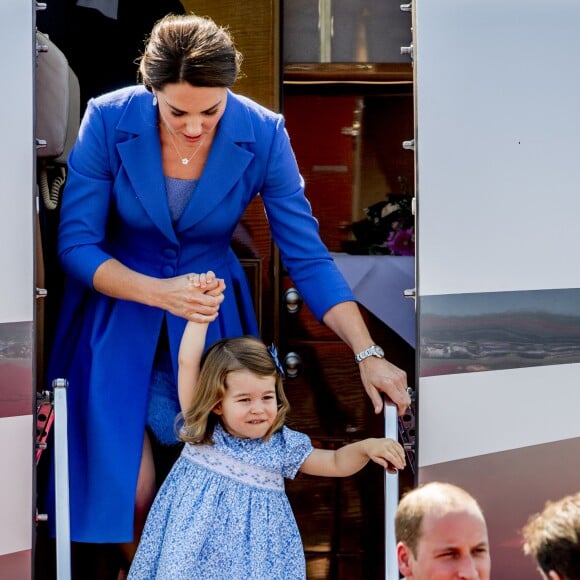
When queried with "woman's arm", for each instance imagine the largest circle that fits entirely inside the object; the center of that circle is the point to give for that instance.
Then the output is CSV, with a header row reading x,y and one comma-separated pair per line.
x,y
377,375
180,295
353,457
312,269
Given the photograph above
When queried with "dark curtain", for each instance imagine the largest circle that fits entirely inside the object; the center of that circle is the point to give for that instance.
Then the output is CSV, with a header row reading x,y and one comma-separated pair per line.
x,y
102,51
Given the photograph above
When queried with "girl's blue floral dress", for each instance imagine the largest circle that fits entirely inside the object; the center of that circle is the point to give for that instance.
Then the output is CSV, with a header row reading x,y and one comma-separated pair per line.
x,y
222,513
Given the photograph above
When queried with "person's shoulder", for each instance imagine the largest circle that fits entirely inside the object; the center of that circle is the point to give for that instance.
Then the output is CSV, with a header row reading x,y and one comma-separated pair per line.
x,y
119,98
256,110
295,448
290,436
124,109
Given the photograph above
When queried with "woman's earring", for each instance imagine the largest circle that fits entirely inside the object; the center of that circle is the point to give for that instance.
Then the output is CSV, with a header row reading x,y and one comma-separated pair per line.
x,y
154,100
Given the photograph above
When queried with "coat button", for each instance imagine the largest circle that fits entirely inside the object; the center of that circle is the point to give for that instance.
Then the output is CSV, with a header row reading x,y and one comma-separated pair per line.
x,y
168,270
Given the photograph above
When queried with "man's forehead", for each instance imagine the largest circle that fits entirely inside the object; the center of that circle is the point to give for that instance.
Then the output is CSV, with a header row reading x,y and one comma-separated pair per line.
x,y
454,527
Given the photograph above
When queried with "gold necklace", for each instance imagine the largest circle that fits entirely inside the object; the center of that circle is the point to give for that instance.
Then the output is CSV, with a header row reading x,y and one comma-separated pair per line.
x,y
184,160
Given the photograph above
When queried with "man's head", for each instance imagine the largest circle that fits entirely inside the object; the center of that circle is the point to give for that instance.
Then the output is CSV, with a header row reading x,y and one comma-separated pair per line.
x,y
441,534
552,538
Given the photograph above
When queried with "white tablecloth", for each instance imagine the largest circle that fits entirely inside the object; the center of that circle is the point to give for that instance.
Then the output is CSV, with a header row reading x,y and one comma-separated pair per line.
x,y
378,283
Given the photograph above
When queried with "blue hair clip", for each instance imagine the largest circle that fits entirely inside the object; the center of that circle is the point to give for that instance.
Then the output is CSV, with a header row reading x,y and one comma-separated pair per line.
x,y
274,354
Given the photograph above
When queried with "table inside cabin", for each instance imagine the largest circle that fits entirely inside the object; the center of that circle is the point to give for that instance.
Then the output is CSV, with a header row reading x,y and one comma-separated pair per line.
x,y
378,283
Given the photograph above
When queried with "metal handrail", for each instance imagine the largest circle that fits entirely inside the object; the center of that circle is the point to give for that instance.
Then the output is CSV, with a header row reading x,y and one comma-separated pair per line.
x,y
62,519
391,497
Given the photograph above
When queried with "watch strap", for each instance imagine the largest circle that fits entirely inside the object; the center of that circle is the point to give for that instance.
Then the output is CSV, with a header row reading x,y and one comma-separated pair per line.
x,y
372,350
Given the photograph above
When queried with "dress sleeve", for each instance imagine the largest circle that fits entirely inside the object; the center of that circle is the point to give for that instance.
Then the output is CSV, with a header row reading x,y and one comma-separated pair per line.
x,y
86,201
297,449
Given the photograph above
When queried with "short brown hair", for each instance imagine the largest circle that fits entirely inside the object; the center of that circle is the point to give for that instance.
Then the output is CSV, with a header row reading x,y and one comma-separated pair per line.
x,y
192,49
416,503
552,537
224,357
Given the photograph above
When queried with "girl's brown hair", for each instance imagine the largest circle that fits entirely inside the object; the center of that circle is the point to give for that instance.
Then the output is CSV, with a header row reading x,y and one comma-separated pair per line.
x,y
221,359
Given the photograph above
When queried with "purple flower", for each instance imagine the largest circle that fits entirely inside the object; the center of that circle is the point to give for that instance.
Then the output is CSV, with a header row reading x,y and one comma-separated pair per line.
x,y
402,242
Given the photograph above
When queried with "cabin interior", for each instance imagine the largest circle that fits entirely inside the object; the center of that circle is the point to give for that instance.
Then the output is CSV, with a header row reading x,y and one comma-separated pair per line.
x,y
336,70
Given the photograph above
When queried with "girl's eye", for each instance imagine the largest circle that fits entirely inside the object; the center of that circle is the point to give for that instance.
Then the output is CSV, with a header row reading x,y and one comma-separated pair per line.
x,y
176,114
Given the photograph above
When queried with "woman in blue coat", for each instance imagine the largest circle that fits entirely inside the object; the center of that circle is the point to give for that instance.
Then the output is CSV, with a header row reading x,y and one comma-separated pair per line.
x,y
158,180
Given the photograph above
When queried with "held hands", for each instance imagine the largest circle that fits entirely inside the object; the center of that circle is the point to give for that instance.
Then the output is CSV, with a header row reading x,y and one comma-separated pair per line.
x,y
386,452
196,297
207,282
378,376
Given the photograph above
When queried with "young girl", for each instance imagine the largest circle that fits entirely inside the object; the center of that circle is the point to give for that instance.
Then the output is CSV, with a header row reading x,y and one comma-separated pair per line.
x,y
222,511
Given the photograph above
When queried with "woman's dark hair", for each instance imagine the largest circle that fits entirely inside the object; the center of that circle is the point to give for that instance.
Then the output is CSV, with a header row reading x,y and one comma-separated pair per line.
x,y
191,49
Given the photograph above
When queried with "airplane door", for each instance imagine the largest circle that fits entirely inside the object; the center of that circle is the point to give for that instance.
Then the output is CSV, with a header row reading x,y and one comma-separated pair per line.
x,y
17,157
498,284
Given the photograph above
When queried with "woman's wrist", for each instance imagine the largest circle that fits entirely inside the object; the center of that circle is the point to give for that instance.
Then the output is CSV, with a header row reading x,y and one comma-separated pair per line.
x,y
154,292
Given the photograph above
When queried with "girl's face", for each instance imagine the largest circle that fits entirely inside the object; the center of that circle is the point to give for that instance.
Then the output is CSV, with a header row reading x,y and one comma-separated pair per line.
x,y
249,406
191,113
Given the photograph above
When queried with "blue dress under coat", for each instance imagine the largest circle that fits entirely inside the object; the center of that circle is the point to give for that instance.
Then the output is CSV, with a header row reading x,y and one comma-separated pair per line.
x,y
222,513
114,205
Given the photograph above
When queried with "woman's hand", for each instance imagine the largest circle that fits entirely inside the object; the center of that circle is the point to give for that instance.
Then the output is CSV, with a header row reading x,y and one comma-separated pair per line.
x,y
378,376
195,297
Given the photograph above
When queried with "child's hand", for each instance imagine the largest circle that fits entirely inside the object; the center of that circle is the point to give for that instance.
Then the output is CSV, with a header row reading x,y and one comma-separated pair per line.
x,y
386,452
208,283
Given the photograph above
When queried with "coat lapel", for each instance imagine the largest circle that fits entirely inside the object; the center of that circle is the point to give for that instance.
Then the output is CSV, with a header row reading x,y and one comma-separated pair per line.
x,y
225,165
141,159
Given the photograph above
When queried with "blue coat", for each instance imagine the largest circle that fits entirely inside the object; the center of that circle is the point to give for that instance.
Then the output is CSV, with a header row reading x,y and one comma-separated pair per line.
x,y
114,206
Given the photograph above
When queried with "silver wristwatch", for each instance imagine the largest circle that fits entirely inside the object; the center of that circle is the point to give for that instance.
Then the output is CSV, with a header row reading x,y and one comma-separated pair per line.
x,y
372,350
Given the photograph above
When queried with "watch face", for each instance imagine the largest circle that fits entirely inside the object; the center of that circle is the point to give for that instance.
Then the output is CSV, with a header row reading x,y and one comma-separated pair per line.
x,y
379,351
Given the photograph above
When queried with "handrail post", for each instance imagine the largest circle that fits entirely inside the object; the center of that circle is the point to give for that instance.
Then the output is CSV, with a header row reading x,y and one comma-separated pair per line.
x,y
62,511
391,497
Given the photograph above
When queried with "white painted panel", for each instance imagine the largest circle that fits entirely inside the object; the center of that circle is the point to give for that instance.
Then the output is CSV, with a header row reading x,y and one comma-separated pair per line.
x,y
466,415
498,145
17,157
16,484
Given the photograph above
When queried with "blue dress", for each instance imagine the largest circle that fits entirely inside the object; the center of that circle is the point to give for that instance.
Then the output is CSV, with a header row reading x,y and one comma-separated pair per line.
x,y
222,513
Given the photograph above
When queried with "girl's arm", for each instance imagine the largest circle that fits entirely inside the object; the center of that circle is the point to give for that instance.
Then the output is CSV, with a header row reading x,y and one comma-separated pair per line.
x,y
353,457
191,349
189,360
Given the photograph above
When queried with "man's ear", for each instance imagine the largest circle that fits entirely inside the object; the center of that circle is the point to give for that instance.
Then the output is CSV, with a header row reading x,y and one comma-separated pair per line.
x,y
554,575
405,560
218,409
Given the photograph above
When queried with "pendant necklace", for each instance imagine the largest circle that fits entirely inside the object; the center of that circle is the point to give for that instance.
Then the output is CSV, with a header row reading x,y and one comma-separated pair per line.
x,y
184,160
